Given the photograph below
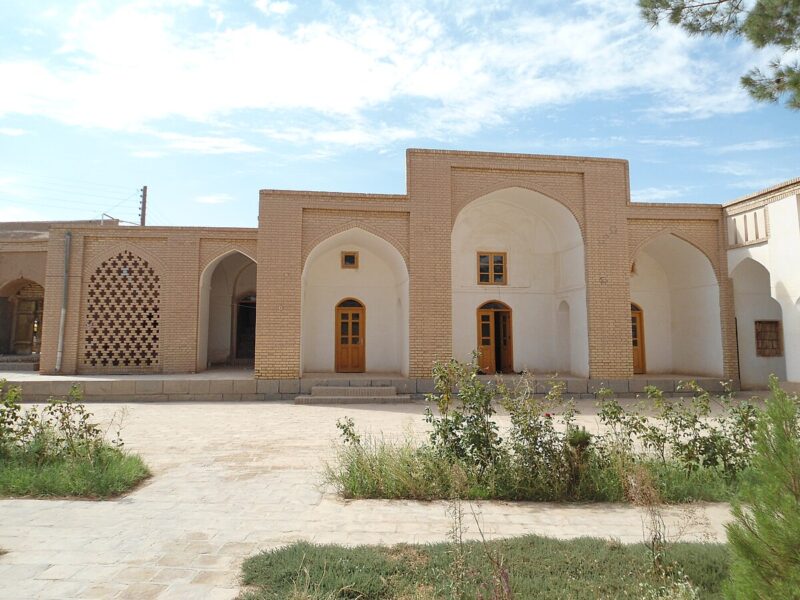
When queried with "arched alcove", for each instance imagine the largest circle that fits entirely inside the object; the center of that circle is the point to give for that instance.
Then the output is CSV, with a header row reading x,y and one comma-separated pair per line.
x,y
21,306
676,289
544,266
355,264
227,306
757,311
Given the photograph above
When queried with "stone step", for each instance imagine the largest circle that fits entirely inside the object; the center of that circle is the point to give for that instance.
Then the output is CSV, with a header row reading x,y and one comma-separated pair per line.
x,y
332,390
397,399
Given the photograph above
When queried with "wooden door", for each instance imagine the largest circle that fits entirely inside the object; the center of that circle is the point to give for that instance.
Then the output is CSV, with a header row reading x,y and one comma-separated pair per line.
x,y
24,326
486,347
637,339
350,330
504,339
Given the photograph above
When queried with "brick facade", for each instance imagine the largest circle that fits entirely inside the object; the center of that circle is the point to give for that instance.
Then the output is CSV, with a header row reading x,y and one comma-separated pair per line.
x,y
418,225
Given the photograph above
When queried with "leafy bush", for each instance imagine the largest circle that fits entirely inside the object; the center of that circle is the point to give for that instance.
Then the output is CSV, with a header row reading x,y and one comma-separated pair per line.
x,y
690,452
765,537
59,450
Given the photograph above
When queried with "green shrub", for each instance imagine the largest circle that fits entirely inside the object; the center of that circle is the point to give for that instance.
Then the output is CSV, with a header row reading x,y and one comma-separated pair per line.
x,y
765,537
59,451
545,456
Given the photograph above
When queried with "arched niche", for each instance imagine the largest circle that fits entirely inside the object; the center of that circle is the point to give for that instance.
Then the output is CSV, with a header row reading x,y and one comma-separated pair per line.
x,y
674,285
227,305
379,280
545,267
754,306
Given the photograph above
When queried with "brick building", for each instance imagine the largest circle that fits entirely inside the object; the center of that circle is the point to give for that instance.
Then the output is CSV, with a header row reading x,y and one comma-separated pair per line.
x,y
540,262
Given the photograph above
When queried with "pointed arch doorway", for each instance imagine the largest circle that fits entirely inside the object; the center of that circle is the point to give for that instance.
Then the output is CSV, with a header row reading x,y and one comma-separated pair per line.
x,y
495,342
350,331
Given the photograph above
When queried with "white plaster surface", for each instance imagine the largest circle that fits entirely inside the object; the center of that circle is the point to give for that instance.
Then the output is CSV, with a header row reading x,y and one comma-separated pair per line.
x,y
233,479
545,264
780,255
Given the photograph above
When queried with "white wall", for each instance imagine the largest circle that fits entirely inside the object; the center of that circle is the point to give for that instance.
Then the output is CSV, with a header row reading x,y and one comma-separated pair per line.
x,y
675,285
780,255
221,284
545,268
380,283
751,289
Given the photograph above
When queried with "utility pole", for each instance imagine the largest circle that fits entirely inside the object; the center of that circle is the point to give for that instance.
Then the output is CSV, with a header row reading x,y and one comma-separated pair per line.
x,y
143,207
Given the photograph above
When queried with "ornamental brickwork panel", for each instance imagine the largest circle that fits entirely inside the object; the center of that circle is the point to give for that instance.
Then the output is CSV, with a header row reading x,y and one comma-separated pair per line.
x,y
123,316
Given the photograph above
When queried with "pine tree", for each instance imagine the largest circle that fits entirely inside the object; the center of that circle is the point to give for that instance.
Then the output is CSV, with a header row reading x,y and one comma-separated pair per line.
x,y
764,23
765,536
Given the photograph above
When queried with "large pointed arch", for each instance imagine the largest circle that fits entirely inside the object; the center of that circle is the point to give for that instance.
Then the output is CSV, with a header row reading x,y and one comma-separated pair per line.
x,y
675,283
543,242
380,282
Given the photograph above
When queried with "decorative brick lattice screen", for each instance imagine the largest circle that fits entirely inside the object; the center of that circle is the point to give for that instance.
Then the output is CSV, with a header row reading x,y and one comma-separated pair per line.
x,y
123,316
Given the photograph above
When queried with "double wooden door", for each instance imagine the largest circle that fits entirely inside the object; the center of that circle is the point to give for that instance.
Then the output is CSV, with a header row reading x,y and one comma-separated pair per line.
x,y
495,348
350,331
27,326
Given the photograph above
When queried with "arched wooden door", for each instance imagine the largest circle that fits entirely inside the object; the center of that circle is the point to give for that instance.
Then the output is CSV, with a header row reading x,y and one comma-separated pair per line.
x,y
350,341
495,342
637,339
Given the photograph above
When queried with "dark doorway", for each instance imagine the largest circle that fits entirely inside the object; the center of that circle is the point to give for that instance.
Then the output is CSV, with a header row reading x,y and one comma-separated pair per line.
x,y
246,328
495,345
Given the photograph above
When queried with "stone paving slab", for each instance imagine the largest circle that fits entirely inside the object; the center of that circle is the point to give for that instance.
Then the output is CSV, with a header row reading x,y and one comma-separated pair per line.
x,y
234,479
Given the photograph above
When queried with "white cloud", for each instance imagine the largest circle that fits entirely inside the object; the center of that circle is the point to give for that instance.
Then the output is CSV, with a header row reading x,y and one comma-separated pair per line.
x,y
12,131
679,142
214,199
736,169
752,146
277,7
206,144
658,194
435,70
19,213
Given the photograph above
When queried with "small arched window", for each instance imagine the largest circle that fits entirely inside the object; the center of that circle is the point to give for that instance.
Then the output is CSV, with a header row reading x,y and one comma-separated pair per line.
x,y
349,303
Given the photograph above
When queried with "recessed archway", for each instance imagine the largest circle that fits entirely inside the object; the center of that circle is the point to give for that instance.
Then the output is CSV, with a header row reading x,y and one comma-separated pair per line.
x,y
21,307
755,306
362,266
227,309
538,246
674,284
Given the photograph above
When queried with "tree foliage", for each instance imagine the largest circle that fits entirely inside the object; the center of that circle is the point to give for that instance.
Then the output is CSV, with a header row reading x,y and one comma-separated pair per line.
x,y
765,536
765,23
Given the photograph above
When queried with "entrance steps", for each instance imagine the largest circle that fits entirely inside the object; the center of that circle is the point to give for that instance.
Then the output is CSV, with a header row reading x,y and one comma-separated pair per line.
x,y
330,394
19,363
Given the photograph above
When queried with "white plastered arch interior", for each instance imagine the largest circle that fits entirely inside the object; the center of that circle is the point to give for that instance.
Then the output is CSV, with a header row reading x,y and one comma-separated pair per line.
x,y
753,301
380,282
675,286
224,279
546,280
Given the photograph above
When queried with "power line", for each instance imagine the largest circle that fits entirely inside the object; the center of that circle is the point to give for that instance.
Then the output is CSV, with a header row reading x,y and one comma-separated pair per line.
x,y
60,180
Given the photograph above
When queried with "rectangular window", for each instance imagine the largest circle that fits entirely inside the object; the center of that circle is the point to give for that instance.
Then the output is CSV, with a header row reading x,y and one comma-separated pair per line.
x,y
349,260
768,338
492,268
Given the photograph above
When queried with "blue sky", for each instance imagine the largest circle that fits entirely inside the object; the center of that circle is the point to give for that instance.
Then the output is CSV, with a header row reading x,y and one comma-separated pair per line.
x,y
207,102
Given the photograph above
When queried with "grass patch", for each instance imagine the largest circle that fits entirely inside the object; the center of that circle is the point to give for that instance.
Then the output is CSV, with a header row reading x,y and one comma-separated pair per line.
x,y
375,468
535,567
108,473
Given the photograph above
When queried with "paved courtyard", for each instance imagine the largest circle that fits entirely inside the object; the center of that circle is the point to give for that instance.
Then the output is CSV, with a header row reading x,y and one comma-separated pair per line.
x,y
232,479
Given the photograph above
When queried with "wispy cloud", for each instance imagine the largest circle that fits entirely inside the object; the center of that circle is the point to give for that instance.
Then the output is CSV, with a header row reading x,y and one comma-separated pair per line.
x,y
12,131
276,7
207,144
736,169
659,194
752,146
678,142
214,199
